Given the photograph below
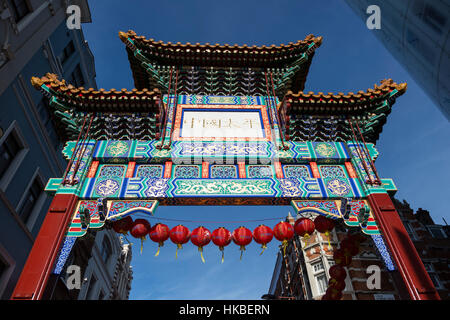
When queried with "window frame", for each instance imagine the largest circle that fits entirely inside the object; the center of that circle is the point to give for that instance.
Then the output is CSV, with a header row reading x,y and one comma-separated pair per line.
x,y
13,6
15,163
38,204
7,273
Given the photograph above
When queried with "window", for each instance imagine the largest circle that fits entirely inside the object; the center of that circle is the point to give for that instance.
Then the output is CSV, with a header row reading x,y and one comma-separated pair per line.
x,y
43,109
322,283
19,9
437,232
317,266
331,263
67,52
76,77
30,200
410,230
106,250
433,276
8,151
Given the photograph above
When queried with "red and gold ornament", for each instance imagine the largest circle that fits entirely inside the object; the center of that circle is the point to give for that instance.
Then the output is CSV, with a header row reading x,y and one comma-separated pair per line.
x,y
123,225
221,237
242,237
304,227
263,235
139,229
179,235
159,233
201,237
342,258
283,231
324,225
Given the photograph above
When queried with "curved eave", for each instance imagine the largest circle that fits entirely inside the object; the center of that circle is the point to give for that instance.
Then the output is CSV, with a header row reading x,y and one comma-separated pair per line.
x,y
340,103
91,100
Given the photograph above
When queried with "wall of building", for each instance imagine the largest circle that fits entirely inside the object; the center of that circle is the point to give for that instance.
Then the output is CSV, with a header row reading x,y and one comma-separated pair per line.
x,y
303,273
33,46
416,34
432,243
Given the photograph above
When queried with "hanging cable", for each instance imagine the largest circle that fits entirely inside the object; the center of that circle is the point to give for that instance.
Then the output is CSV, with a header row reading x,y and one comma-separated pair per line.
x,y
358,150
84,145
269,103
276,114
166,113
207,221
75,150
174,110
378,181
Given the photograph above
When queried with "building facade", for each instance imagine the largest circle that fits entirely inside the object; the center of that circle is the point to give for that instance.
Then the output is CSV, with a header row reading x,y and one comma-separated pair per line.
x,y
432,242
416,34
34,38
302,272
105,269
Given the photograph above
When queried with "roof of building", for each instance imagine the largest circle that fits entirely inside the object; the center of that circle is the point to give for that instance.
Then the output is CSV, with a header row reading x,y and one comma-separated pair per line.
x,y
91,100
143,53
350,102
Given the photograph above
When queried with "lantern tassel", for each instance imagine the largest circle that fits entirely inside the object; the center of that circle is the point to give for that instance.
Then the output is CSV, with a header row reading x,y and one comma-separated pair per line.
x,y
142,243
284,245
264,247
176,251
221,249
306,240
201,253
242,251
160,245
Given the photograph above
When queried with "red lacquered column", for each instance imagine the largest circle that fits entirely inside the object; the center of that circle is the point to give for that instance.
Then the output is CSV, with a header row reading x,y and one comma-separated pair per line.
x,y
410,266
40,262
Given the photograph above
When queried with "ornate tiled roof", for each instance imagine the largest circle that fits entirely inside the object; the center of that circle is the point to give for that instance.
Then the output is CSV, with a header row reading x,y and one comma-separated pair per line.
x,y
91,100
263,56
359,102
329,113
150,59
110,110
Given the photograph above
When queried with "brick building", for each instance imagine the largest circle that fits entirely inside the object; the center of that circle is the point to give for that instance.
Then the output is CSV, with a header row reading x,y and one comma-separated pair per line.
x,y
432,242
303,272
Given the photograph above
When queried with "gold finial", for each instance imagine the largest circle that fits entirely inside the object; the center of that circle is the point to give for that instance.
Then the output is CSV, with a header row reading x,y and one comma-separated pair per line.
x,y
36,82
123,36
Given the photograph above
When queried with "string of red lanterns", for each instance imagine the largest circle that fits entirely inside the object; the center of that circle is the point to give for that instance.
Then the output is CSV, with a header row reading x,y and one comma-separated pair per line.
x,y
221,237
349,247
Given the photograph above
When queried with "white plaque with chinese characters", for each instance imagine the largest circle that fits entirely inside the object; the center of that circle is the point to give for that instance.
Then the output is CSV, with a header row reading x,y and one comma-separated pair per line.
x,y
222,124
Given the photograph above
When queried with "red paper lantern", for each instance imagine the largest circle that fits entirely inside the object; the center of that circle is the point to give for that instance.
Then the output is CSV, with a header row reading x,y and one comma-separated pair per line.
x,y
357,238
350,247
159,233
263,235
284,232
337,284
304,227
333,294
139,229
337,272
242,237
221,237
342,258
324,225
201,237
179,235
123,225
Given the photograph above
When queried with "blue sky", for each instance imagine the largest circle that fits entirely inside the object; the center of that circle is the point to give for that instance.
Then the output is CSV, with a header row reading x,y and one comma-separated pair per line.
x,y
414,145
